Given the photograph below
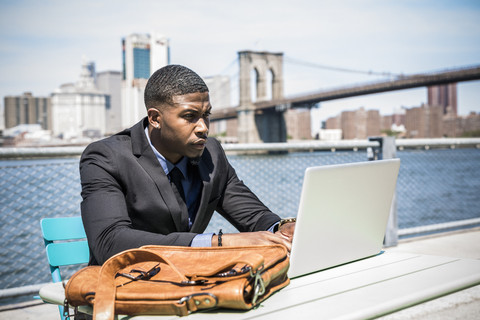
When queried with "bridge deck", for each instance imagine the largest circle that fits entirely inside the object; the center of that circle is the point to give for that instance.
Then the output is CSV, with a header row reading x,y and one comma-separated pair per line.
x,y
406,82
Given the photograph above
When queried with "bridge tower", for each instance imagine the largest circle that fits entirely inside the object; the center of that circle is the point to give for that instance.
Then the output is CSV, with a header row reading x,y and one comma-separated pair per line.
x,y
254,127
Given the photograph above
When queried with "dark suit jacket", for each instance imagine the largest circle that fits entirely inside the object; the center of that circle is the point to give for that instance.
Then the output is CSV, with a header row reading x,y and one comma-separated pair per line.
x,y
128,201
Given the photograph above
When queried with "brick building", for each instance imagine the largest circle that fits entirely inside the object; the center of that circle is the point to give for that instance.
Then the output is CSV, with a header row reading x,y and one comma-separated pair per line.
x,y
27,109
373,125
358,124
298,123
424,122
454,126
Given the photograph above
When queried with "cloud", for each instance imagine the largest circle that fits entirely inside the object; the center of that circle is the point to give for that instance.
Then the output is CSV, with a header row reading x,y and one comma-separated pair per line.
x,y
43,42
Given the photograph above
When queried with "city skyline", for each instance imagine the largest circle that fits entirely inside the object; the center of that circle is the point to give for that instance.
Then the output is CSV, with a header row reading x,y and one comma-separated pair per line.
x,y
42,43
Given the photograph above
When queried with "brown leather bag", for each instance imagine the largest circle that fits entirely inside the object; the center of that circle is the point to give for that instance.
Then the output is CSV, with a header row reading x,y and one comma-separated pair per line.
x,y
161,280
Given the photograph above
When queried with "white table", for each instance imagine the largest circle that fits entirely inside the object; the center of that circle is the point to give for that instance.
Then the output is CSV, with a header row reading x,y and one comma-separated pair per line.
x,y
363,289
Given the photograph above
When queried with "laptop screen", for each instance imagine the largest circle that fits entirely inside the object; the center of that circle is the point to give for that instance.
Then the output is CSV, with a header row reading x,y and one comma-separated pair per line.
x,y
342,215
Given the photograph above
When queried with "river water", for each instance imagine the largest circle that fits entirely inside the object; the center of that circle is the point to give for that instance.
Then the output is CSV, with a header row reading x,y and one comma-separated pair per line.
x,y
434,186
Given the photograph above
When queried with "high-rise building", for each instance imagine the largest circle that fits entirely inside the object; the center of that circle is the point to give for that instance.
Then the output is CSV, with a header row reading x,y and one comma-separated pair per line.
x,y
444,96
27,109
142,55
78,109
91,69
110,83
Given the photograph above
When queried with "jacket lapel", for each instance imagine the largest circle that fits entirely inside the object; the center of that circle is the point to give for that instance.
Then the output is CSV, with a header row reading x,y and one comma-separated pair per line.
x,y
205,169
147,159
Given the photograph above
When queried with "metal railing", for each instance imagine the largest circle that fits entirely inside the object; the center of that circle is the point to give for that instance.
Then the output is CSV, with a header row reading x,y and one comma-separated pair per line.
x,y
312,145
437,189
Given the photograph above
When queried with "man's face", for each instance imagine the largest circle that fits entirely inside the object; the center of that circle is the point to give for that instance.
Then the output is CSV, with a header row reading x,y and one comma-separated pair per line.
x,y
183,126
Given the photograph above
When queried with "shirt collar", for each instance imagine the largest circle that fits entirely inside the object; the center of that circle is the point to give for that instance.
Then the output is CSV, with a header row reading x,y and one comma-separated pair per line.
x,y
167,165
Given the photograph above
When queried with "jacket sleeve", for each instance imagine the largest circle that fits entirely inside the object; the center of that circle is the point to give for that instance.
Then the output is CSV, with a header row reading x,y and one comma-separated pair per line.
x,y
240,206
104,209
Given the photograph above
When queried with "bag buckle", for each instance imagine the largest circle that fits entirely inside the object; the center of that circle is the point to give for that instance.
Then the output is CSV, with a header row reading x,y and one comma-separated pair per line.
x,y
258,285
143,275
66,311
203,303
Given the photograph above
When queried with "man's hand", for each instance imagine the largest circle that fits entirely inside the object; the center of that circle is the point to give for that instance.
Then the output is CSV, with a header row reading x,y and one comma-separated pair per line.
x,y
253,238
286,231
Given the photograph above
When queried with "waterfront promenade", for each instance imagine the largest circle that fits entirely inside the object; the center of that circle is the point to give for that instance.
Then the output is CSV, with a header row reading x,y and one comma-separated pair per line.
x,y
465,304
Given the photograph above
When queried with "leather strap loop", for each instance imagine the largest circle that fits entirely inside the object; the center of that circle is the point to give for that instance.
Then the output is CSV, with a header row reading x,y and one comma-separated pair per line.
x,y
106,288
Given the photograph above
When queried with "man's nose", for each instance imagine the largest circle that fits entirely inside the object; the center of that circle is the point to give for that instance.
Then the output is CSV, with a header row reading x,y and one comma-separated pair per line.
x,y
202,127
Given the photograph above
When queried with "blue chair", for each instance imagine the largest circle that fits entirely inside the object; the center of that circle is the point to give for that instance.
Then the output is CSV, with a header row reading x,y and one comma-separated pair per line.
x,y
65,244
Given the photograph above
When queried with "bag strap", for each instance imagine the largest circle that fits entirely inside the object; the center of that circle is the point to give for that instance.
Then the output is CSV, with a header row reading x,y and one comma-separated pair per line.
x,y
104,307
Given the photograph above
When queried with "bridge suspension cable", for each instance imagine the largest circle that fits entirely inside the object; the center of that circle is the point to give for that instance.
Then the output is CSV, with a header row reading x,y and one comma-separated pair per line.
x,y
321,66
232,64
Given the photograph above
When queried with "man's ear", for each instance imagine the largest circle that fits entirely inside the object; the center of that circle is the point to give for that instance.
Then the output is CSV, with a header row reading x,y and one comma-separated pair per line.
x,y
154,117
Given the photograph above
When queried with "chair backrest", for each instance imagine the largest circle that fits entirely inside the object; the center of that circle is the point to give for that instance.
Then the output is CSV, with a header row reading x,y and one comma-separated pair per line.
x,y
65,243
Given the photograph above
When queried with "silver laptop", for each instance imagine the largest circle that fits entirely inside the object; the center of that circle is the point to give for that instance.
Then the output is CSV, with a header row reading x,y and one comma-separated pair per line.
x,y
343,214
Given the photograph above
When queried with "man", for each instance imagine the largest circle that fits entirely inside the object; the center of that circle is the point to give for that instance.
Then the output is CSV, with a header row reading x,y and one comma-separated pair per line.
x,y
159,182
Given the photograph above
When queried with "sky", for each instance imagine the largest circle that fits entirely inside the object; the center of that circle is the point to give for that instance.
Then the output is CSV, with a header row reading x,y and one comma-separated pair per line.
x,y
42,42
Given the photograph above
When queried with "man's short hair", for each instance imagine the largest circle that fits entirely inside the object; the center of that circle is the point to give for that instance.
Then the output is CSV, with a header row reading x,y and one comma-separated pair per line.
x,y
169,81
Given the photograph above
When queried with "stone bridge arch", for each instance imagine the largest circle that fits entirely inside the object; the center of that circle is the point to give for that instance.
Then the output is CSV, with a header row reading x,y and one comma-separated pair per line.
x,y
262,62
251,127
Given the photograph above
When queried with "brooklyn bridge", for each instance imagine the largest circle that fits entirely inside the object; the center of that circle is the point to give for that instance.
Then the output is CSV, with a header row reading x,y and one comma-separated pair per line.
x,y
262,119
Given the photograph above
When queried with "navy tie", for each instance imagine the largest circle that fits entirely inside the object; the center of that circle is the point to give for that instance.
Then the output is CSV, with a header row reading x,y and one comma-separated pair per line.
x,y
176,181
